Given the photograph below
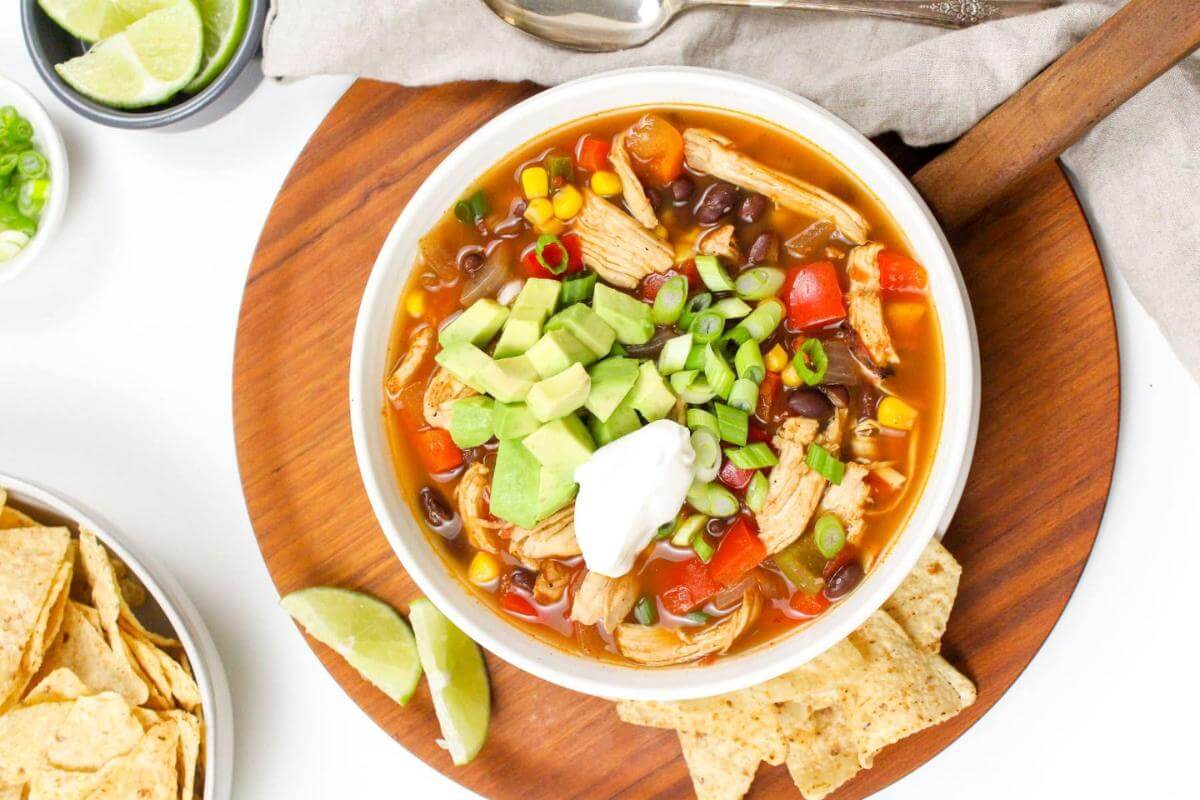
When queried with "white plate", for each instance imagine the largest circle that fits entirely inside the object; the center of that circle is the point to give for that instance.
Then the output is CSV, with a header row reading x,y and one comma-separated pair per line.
x,y
446,184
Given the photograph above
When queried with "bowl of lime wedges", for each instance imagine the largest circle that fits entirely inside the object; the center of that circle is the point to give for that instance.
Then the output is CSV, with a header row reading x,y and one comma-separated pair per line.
x,y
146,63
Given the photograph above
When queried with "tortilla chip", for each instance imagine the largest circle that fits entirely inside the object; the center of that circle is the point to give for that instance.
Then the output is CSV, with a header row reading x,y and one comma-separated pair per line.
x,y
98,729
61,784
31,560
825,674
183,685
737,716
961,683
721,768
132,591
923,601
12,792
148,772
25,734
12,518
60,685
189,750
821,750
147,658
81,648
48,625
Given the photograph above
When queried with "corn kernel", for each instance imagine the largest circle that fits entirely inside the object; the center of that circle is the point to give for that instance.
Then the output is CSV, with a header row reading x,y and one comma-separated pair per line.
x,y
553,226
567,202
903,318
535,182
777,359
791,378
661,232
605,183
414,304
484,569
539,211
894,413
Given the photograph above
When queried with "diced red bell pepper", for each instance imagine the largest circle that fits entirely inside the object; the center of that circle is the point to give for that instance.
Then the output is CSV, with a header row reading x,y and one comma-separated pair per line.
x,y
591,153
437,451
757,433
734,477
688,268
814,296
899,274
653,282
768,391
657,149
809,605
552,255
689,585
739,552
515,603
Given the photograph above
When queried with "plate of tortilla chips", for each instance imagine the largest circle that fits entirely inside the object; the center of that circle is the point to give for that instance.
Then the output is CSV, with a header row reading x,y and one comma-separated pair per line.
x,y
110,687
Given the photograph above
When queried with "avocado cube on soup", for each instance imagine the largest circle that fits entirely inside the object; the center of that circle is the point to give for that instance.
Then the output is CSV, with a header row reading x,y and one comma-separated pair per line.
x,y
586,326
477,325
561,445
561,395
626,315
465,361
516,484
508,379
622,421
557,350
554,492
612,379
651,396
513,420
471,421
538,296
521,332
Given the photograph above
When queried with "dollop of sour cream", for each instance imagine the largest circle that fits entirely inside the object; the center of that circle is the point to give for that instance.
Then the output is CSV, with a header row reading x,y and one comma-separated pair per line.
x,y
627,489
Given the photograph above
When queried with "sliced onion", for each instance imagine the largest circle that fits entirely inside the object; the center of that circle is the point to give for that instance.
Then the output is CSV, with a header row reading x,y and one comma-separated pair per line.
x,y
496,271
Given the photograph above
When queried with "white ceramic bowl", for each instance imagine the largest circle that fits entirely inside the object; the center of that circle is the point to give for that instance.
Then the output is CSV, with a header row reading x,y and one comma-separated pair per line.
x,y
46,137
167,611
510,130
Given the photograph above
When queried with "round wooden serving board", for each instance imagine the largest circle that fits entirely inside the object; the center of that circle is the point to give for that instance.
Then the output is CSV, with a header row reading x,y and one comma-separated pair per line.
x,y
1023,532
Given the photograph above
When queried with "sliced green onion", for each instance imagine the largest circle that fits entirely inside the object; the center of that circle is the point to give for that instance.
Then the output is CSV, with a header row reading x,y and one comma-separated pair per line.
x,y
763,320
670,300
699,419
752,456
744,395
31,164
713,274
674,355
703,549
756,492
539,253
7,115
731,308
691,387
697,617
822,462
577,288
32,196
707,326
736,336
695,304
688,529
645,611
829,535
759,283
8,162
718,373
695,359
749,361
20,131
801,564
560,167
665,530
811,351
708,454
734,424
712,499
472,209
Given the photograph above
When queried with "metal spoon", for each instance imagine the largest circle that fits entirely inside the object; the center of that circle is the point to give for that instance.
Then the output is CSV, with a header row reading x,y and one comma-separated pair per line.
x,y
605,25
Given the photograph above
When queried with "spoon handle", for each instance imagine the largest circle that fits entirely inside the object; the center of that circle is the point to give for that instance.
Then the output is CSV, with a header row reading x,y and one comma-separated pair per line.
x,y
943,13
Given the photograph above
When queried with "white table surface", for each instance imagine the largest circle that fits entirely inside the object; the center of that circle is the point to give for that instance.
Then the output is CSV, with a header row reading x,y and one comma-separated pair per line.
x,y
115,384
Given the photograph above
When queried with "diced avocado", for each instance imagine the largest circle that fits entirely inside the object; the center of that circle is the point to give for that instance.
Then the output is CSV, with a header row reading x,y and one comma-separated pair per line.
x,y
513,420
508,379
556,351
465,361
539,296
516,484
622,421
626,315
563,394
586,326
612,379
554,492
471,421
651,396
477,325
561,445
521,332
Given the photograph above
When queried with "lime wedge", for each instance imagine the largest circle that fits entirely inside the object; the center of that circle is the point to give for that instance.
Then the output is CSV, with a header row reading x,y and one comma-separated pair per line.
x,y
92,20
224,27
458,680
369,634
144,64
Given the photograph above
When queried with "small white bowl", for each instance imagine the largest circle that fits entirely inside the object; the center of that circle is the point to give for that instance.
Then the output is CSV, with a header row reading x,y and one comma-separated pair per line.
x,y
50,144
510,130
167,611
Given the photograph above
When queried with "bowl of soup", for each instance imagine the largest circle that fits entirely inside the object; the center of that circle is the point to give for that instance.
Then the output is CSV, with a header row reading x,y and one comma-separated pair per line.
x,y
661,383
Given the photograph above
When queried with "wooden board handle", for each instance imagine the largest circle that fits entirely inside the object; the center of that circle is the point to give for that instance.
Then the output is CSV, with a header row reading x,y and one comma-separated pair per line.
x,y
1133,47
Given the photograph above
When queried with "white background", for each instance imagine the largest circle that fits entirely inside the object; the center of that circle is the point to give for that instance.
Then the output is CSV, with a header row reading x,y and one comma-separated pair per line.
x,y
115,373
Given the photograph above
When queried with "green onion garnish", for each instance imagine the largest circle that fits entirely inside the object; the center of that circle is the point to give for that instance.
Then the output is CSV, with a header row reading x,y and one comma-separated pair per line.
x,y
731,308
471,209
744,395
811,362
713,274
759,283
718,372
31,164
752,456
706,327
762,321
577,288
756,492
688,529
8,163
696,304
670,300
674,355
560,167
734,424
824,463
698,418
665,530
697,617
712,499
829,535
703,549
695,359
546,240
708,454
645,611
749,361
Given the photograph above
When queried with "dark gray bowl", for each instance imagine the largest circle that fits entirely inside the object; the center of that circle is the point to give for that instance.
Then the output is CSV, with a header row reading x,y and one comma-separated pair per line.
x,y
49,44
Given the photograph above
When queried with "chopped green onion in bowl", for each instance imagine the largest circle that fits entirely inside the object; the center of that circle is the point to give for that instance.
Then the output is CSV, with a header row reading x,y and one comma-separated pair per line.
x,y
24,183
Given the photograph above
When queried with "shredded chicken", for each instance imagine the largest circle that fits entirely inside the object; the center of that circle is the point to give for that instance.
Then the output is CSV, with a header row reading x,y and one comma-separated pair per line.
x,y
866,307
443,390
604,600
864,440
794,490
720,242
471,496
553,537
884,471
631,188
710,153
619,249
848,501
657,646
551,583
418,349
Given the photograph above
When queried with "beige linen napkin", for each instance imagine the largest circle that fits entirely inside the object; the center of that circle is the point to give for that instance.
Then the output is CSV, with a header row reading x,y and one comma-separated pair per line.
x,y
1138,171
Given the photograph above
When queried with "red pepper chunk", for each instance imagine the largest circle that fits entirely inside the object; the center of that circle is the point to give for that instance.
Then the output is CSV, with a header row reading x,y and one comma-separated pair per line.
x,y
739,552
814,296
437,451
551,254
516,604
899,274
690,585
809,605
734,477
591,153
653,282
767,392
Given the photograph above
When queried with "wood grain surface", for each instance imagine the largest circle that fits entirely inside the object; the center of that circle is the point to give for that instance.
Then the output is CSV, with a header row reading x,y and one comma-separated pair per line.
x,y
1023,532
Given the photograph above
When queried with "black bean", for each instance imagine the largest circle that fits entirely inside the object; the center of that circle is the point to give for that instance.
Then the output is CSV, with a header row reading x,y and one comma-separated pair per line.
x,y
470,263
439,516
810,403
838,395
682,188
717,201
753,207
522,579
655,198
841,583
765,249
